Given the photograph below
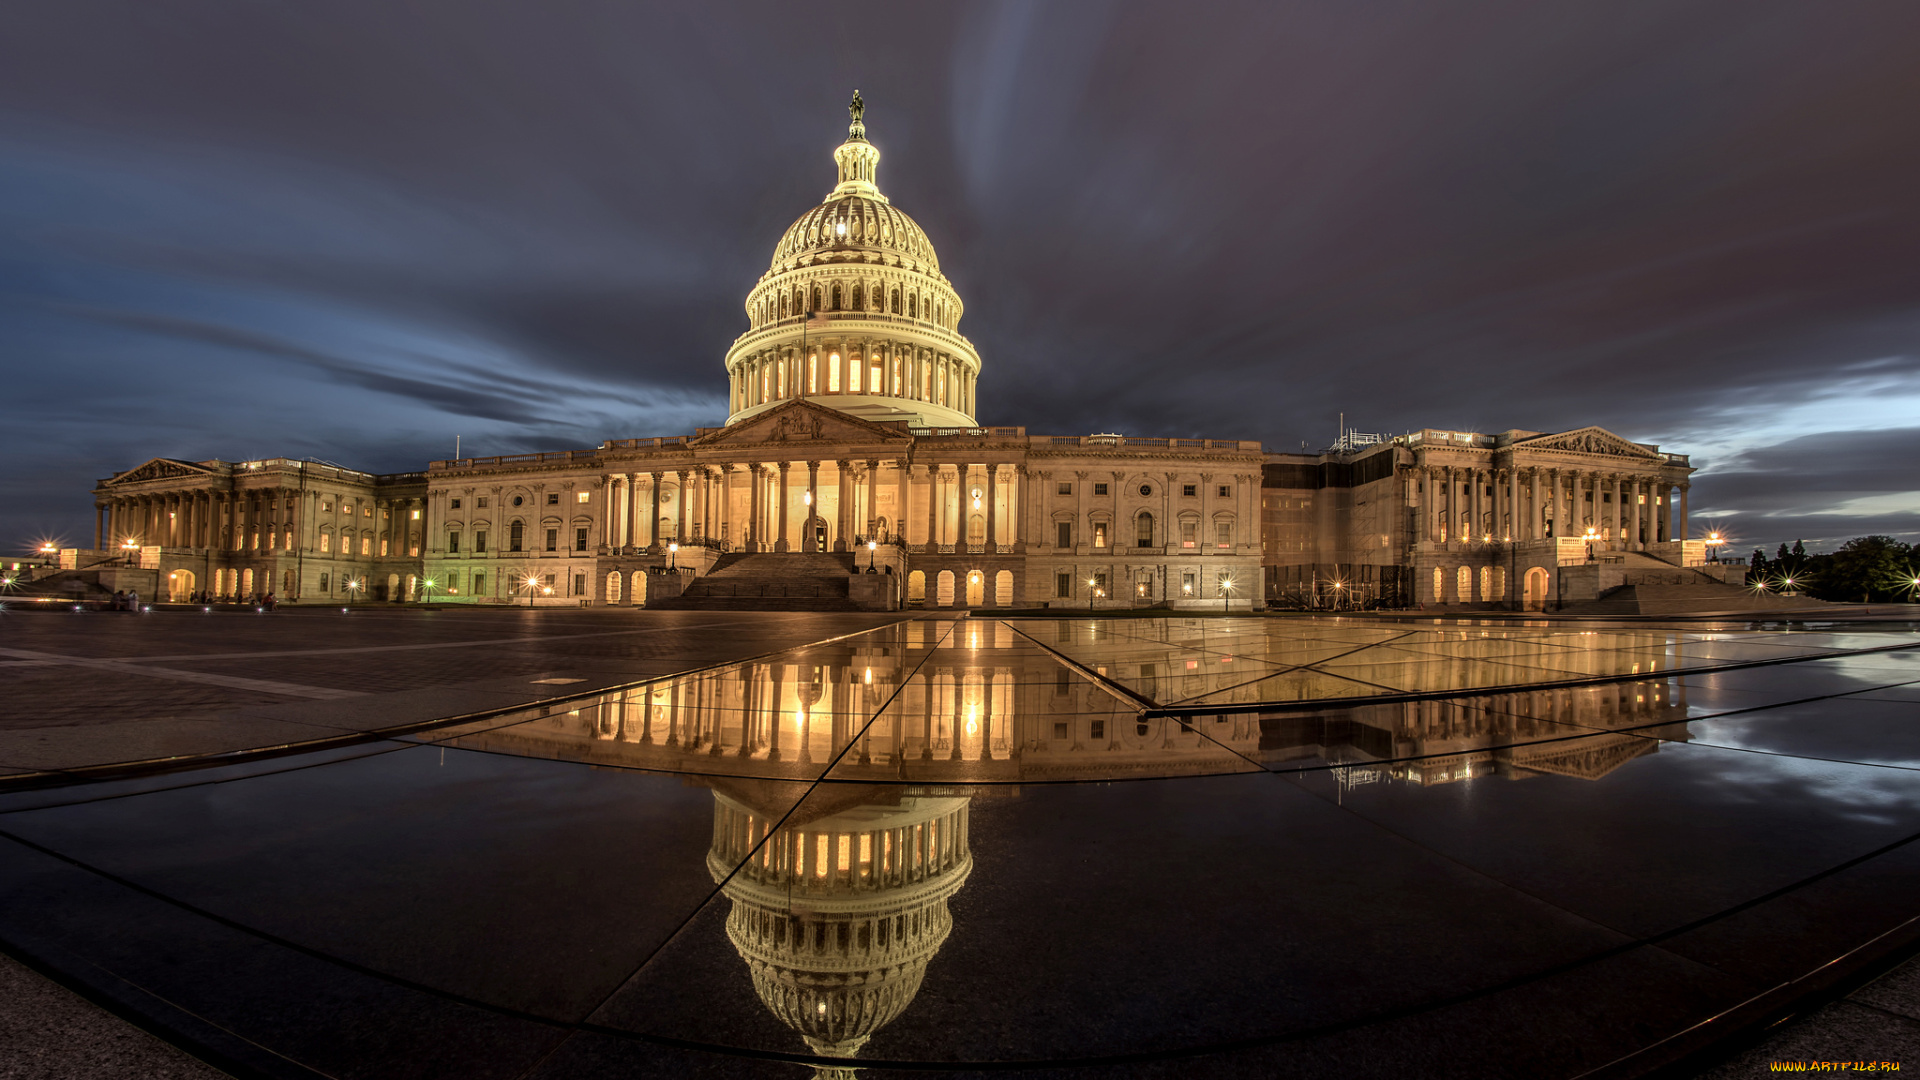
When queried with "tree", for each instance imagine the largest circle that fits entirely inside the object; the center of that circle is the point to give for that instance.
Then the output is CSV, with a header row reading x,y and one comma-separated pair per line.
x,y
1864,569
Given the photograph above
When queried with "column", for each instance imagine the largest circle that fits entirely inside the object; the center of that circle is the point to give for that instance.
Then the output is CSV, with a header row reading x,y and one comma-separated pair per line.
x,y
1533,505
993,533
811,541
1430,493
753,531
1017,505
1512,527
933,512
632,515
723,519
780,543
902,501
680,507
873,500
843,513
1680,531
653,519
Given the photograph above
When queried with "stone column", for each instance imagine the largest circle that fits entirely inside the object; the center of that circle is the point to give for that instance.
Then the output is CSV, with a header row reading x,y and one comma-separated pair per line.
x,y
680,507
653,519
1430,494
1018,506
873,498
993,533
753,531
723,515
1512,528
933,511
843,506
903,499
1532,531
631,517
781,544
1680,531
810,541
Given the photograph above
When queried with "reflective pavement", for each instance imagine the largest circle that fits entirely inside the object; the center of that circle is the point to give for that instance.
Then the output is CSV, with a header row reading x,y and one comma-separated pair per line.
x,y
973,845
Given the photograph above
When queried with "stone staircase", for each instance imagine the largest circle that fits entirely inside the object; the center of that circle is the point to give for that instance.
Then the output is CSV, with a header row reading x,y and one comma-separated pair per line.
x,y
771,581
1690,598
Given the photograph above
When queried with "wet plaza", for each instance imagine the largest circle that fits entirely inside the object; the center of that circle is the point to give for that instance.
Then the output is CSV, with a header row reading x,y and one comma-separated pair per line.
x,y
1063,847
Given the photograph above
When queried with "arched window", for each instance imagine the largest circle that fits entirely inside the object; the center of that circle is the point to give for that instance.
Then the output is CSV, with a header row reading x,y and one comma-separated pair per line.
x,y
1143,530
1003,588
1439,586
917,587
836,298
815,306
857,297
783,307
893,303
1486,583
943,588
913,306
1463,585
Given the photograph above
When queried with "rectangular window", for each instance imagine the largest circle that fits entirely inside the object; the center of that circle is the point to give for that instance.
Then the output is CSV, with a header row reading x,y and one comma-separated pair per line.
x,y
1066,487
516,536
480,541
1099,489
1190,490
1189,581
327,507
479,583
366,545
553,539
1189,534
579,584
1223,534
453,543
483,502
1099,729
1066,533
584,497
1100,585
456,504
326,541
383,547
416,515
1063,585
1060,731
324,580
1099,534
553,498
1143,531
1226,491
579,539
547,581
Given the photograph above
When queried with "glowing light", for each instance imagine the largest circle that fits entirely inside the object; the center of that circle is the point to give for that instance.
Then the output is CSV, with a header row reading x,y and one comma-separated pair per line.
x,y
869,679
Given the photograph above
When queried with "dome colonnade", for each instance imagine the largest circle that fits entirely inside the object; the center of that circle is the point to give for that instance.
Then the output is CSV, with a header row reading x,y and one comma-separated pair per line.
x,y
854,308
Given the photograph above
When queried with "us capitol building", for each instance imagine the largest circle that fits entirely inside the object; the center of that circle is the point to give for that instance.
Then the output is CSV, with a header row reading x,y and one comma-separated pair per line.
x,y
852,442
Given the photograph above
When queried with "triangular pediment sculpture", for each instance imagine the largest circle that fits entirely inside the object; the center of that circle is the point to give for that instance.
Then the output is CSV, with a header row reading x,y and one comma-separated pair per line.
x,y
802,422
161,469
1588,440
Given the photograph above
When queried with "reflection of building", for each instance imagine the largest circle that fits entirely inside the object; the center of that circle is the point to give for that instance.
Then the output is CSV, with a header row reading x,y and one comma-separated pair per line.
x,y
838,911
852,415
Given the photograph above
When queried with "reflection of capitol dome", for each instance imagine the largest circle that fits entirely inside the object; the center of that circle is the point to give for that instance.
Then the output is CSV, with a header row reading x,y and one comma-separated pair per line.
x,y
884,344
838,917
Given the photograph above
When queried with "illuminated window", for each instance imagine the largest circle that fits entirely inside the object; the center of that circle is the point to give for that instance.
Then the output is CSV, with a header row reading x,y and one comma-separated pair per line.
x,y
1189,581
833,373
326,541
366,545
1099,534
584,497
813,374
416,515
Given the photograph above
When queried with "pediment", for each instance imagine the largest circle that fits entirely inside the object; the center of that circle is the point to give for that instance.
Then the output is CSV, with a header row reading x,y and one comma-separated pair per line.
x,y
802,422
161,469
1588,759
1589,440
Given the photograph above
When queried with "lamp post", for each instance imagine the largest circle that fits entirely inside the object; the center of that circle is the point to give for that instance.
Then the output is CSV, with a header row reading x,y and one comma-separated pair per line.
x,y
1593,534
673,555
49,554
132,548
426,589
354,586
871,545
1226,595
530,584
1714,541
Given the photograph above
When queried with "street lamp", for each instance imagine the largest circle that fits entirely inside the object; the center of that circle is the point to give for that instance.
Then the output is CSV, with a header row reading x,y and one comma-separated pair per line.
x,y
870,546
1714,541
1593,534
354,586
531,584
1226,595
673,555
131,547
427,586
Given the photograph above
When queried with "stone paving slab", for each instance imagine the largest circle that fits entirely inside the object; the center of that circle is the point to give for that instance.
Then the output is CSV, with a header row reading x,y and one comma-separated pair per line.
x,y
94,689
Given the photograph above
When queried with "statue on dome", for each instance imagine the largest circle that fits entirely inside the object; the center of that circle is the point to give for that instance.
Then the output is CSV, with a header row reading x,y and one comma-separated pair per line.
x,y
857,108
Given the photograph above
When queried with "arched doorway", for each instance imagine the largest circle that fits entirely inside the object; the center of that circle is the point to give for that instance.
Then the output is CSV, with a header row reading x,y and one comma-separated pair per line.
x,y
976,588
639,588
814,534
917,587
179,586
1003,588
246,582
943,589
613,586
393,588
1536,589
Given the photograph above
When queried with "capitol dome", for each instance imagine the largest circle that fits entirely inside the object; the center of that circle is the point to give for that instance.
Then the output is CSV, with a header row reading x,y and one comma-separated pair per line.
x,y
854,312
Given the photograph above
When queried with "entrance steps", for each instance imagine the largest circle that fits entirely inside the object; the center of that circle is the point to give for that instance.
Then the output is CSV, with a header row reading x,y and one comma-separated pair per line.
x,y
771,581
1703,598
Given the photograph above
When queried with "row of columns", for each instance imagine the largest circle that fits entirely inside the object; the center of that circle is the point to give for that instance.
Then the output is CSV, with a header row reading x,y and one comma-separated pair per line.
x,y
1468,503
906,372
276,518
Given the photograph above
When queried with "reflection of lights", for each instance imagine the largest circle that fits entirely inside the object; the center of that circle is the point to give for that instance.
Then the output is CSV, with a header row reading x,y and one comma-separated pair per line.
x,y
973,726
869,677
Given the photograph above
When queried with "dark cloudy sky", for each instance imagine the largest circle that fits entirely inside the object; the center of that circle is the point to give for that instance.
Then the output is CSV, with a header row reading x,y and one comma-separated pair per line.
x,y
352,231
